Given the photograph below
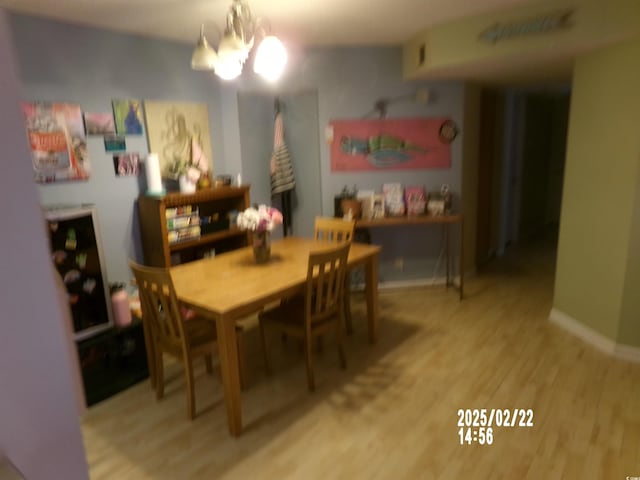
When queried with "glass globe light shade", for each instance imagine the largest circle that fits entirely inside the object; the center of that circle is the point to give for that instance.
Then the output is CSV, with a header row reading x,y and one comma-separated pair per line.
x,y
228,68
232,47
204,56
271,58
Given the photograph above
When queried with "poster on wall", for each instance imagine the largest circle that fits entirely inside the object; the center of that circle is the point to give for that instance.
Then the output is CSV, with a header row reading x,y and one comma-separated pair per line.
x,y
57,141
179,133
99,123
128,117
388,144
126,164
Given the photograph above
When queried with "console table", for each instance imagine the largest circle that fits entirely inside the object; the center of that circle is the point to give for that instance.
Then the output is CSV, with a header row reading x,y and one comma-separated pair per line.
x,y
445,220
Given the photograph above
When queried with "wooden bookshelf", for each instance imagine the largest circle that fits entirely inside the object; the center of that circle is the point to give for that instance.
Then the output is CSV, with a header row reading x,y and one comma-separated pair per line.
x,y
218,203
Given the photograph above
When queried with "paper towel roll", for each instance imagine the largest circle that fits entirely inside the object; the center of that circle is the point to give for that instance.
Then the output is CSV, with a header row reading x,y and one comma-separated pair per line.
x,y
154,179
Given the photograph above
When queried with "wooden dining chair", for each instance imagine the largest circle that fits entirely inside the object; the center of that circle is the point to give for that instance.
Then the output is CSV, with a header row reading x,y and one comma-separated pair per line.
x,y
334,229
338,230
174,330
319,311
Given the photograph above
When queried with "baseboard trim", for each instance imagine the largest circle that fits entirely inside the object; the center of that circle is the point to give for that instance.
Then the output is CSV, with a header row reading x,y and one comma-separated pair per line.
x,y
593,337
628,352
418,282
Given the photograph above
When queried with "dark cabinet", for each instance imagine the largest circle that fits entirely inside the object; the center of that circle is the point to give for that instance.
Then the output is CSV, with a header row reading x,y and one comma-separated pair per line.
x,y
76,252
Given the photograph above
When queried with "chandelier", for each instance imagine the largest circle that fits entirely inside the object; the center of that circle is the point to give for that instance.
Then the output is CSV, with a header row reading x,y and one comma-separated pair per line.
x,y
236,45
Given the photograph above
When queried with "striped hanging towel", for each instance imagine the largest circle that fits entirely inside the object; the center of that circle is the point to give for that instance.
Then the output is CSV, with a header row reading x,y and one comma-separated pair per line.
x,y
282,178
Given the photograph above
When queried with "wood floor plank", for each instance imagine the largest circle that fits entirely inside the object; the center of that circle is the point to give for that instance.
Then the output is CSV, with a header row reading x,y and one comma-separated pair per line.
x,y
393,412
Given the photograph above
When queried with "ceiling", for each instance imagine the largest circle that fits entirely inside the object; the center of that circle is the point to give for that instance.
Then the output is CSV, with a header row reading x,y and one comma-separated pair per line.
x,y
307,23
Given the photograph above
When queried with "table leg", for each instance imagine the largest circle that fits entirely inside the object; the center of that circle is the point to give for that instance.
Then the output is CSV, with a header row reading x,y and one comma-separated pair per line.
x,y
228,351
371,291
461,267
447,256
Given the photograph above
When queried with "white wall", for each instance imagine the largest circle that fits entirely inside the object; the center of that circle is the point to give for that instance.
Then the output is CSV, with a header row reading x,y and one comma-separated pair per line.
x,y
39,428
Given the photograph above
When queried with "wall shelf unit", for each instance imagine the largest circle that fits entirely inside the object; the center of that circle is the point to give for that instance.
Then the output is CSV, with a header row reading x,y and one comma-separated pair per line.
x,y
179,228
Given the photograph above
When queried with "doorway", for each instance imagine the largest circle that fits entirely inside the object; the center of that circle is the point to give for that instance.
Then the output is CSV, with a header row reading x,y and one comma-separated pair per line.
x,y
256,113
522,151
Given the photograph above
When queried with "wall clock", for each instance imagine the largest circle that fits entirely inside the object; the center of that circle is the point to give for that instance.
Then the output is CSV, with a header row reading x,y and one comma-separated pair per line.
x,y
448,131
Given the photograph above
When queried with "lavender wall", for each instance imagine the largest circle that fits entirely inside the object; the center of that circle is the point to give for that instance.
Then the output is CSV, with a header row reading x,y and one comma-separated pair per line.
x,y
89,66
348,81
61,62
39,402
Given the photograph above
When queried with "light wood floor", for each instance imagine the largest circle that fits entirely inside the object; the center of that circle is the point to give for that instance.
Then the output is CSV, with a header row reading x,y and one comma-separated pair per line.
x,y
393,413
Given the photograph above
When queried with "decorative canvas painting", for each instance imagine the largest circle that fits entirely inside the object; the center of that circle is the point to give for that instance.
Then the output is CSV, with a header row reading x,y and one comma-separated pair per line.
x,y
128,116
115,143
99,123
178,132
126,164
57,140
388,144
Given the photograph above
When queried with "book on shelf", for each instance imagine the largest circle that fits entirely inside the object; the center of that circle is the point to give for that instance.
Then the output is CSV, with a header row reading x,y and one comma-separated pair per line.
x,y
416,200
366,200
393,199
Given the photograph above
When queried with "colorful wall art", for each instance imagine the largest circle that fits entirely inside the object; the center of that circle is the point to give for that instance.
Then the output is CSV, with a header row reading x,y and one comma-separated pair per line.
x,y
388,144
128,116
179,133
126,164
99,123
57,140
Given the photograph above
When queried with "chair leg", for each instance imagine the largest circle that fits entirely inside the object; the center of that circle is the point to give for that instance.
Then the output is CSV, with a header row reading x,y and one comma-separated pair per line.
x,y
263,336
340,341
151,354
308,349
159,373
347,304
191,399
208,363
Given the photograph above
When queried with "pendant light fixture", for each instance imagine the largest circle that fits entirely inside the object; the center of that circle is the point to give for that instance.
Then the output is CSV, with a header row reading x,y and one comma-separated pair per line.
x,y
236,45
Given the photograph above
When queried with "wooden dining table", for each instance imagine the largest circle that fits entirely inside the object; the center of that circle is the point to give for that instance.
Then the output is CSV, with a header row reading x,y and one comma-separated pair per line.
x,y
230,286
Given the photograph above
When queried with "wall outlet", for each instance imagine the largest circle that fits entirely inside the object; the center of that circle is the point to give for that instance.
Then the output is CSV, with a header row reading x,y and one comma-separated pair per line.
x,y
399,263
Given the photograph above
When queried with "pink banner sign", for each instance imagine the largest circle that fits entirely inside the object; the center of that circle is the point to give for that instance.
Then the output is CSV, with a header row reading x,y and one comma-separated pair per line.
x,y
390,144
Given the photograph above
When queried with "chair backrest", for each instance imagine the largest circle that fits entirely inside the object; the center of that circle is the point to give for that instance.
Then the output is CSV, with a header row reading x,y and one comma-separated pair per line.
x,y
159,303
334,229
326,272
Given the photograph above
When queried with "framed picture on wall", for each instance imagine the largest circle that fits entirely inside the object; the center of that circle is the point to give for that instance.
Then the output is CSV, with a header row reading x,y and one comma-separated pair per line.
x,y
129,118
57,140
126,164
99,123
179,133
115,143
388,144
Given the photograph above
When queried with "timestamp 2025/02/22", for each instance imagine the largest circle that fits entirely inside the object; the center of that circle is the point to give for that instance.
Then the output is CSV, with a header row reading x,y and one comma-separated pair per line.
x,y
476,425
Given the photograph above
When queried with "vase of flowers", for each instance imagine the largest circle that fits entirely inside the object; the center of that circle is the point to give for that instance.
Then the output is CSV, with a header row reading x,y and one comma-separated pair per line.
x,y
187,164
260,221
189,180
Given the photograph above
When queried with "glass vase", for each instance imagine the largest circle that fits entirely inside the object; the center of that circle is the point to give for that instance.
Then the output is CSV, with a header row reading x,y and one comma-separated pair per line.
x,y
262,246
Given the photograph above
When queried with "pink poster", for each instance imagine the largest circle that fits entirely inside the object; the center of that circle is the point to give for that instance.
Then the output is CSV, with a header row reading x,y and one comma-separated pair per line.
x,y
57,140
391,144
